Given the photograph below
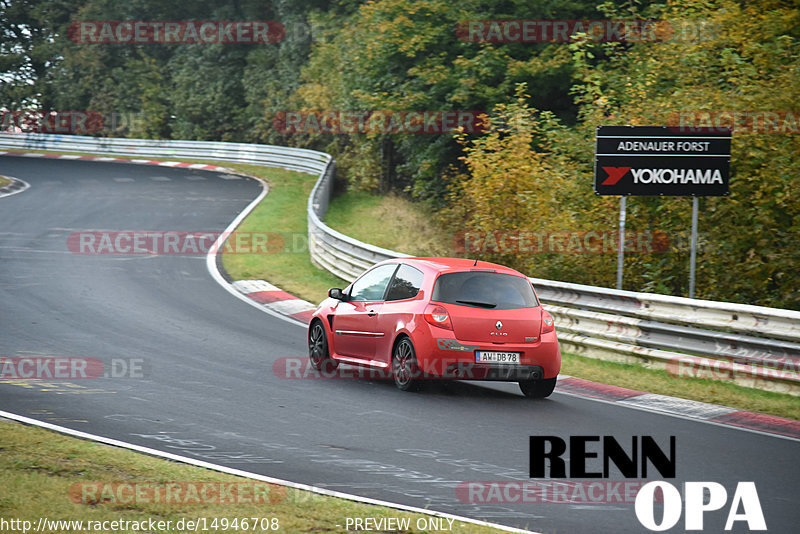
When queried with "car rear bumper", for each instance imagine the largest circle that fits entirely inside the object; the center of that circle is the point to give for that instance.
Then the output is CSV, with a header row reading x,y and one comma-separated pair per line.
x,y
507,373
446,357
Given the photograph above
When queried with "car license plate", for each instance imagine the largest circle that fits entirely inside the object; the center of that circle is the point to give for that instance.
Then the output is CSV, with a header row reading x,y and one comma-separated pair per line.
x,y
482,356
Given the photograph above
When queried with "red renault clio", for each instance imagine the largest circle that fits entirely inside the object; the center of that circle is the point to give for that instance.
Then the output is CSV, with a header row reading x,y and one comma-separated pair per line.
x,y
439,318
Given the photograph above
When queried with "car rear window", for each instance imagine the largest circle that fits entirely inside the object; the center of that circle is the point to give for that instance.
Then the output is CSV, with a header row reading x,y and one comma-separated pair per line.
x,y
494,291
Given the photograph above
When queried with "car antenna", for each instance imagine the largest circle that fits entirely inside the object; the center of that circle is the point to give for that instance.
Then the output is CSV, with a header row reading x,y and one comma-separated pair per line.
x,y
476,263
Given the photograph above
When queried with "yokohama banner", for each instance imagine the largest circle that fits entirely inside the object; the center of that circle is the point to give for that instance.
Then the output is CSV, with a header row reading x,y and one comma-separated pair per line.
x,y
656,161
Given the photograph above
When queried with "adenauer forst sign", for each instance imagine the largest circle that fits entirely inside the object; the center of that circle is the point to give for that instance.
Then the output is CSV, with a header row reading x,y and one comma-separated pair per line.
x,y
658,161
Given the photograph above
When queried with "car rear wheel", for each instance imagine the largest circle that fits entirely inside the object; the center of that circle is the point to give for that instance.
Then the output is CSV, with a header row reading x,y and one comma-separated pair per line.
x,y
405,370
318,349
538,389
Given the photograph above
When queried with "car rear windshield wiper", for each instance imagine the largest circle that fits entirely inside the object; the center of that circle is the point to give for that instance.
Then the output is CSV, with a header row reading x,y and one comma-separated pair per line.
x,y
478,303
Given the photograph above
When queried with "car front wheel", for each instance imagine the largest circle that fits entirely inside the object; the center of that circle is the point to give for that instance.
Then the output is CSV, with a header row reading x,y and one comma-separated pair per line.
x,y
405,370
318,349
538,389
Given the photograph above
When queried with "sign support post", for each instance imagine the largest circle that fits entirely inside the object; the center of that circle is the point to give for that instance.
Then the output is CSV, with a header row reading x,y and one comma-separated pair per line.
x,y
621,245
662,161
693,253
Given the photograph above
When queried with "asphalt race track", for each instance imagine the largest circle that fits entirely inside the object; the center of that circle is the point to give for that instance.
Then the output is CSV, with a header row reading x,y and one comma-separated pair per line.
x,y
208,391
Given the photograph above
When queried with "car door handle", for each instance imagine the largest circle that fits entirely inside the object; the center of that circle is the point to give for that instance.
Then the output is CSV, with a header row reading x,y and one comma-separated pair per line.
x,y
372,313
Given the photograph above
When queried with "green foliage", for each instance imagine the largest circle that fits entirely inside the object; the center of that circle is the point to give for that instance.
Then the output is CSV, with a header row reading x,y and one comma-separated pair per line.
x,y
722,56
531,172
399,55
29,51
518,182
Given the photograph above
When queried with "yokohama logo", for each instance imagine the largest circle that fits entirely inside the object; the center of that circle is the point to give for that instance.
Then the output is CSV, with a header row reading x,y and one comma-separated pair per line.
x,y
614,174
664,176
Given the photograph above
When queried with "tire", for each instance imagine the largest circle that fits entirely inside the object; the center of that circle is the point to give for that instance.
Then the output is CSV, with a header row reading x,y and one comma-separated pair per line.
x,y
405,370
537,389
318,349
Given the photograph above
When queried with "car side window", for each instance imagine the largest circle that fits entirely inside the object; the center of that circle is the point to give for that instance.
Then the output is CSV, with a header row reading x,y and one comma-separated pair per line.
x,y
405,284
372,286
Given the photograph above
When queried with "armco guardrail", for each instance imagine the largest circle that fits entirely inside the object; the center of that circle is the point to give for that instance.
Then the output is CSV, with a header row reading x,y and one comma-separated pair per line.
x,y
331,250
296,159
750,345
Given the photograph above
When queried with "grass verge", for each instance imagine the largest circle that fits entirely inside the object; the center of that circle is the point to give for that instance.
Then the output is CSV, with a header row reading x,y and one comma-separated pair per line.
x,y
4,181
282,211
391,221
48,475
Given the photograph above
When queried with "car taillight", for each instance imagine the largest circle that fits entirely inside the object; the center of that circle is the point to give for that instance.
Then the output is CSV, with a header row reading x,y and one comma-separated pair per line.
x,y
438,316
548,325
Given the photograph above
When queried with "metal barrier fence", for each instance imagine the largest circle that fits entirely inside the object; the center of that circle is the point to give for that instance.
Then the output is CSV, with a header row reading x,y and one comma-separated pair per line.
x,y
331,250
750,345
296,159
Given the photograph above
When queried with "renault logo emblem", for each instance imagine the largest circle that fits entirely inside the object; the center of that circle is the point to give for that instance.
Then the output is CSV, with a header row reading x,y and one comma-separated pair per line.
x,y
498,325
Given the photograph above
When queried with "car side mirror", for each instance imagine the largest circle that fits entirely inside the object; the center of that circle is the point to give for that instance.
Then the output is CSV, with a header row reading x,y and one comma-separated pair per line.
x,y
336,293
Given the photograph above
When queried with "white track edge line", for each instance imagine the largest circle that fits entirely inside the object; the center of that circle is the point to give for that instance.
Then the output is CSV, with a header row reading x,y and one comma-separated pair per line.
x,y
247,474
211,265
211,259
25,186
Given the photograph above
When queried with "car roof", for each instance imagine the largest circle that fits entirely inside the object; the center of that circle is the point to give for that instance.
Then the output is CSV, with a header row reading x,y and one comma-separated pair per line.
x,y
442,265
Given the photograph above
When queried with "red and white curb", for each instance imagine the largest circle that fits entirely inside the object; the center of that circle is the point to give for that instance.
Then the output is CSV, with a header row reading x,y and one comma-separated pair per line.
x,y
276,299
107,159
688,409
